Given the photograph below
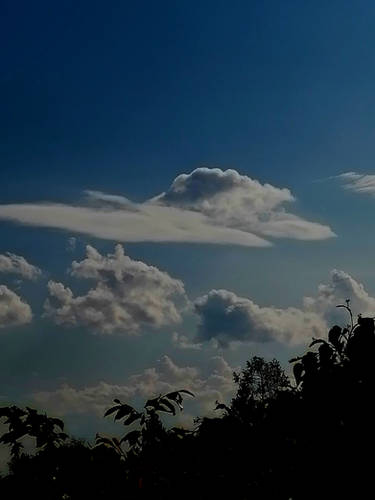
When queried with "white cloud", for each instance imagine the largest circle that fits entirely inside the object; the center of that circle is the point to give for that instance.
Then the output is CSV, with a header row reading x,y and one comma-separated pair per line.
x,y
359,183
182,342
165,377
149,223
228,318
128,295
13,311
341,287
237,201
15,264
205,206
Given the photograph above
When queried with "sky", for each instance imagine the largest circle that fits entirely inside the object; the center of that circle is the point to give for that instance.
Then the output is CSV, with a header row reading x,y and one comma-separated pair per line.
x,y
183,185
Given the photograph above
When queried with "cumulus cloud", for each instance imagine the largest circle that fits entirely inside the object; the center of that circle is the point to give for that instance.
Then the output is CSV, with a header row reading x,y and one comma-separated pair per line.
x,y
13,311
205,206
165,377
227,318
16,264
359,183
237,201
128,295
342,286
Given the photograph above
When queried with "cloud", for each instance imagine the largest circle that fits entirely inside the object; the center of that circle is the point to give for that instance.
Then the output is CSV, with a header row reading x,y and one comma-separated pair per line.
x,y
111,200
15,264
182,342
149,223
237,201
165,377
228,318
128,295
342,286
359,183
71,244
13,311
205,206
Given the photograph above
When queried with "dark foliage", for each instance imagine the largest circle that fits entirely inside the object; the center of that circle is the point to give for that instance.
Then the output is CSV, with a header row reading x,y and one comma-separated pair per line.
x,y
277,439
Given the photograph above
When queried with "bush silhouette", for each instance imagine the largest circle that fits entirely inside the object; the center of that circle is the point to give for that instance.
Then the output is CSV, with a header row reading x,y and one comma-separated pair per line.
x,y
311,437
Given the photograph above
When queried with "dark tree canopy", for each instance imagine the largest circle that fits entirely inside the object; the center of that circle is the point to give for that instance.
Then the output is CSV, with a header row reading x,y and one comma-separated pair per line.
x,y
311,437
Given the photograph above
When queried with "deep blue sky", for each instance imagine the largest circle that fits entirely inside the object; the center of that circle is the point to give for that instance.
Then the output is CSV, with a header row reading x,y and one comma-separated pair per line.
x,y
121,97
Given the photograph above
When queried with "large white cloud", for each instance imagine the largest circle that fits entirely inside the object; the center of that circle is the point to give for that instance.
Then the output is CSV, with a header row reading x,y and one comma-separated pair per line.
x,y
128,295
16,264
166,376
227,318
205,206
13,311
237,201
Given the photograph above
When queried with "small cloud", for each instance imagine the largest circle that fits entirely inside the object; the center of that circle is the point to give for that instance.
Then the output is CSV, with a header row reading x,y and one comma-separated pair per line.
x,y
11,263
182,342
71,244
13,311
358,183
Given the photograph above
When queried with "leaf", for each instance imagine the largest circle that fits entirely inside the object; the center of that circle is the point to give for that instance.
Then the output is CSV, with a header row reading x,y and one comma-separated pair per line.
x,y
104,440
152,403
58,422
132,418
169,405
187,392
334,335
221,406
132,437
123,411
293,360
112,410
117,401
317,341
179,432
116,442
297,372
174,396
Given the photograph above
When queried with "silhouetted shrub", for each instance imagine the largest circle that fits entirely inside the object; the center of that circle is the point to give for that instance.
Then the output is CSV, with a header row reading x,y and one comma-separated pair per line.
x,y
277,439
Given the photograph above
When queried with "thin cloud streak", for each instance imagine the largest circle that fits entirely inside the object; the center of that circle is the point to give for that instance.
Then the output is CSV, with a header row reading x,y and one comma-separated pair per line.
x,y
205,206
150,223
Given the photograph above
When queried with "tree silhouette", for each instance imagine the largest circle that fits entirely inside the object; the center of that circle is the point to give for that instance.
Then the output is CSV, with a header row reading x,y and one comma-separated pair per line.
x,y
312,437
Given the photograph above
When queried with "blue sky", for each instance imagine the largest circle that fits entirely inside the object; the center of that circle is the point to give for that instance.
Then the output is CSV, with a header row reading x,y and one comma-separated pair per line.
x,y
123,98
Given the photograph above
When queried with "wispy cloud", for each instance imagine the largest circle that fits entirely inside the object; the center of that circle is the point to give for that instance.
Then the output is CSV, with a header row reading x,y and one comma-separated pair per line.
x,y
165,376
359,183
205,206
